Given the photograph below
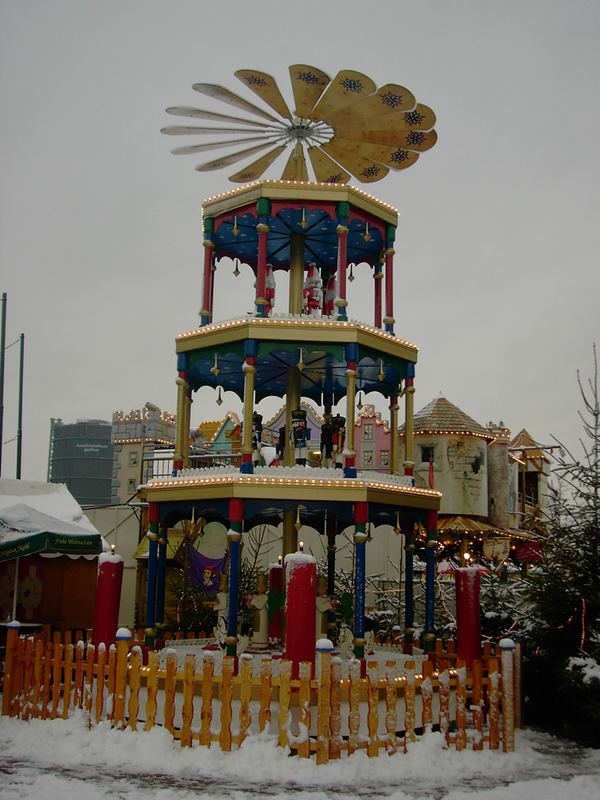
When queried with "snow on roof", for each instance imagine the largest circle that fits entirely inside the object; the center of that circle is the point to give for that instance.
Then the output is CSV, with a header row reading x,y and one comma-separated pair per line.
x,y
53,499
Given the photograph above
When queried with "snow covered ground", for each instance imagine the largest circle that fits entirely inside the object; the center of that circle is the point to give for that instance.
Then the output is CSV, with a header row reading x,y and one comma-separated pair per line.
x,y
63,759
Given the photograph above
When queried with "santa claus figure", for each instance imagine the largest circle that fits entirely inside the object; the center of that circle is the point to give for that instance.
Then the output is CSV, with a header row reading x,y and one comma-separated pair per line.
x,y
269,289
328,302
313,292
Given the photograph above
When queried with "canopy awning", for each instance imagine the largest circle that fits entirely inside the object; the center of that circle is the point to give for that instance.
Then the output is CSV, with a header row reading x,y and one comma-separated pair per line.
x,y
25,531
43,518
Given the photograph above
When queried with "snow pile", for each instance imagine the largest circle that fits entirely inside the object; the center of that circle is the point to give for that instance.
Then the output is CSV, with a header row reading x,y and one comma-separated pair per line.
x,y
589,667
63,759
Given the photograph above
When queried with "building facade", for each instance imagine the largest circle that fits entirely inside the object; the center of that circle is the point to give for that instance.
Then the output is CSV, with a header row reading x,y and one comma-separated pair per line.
x,y
80,455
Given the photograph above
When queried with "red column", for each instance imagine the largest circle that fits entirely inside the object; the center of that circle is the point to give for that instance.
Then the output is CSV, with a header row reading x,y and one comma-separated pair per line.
x,y
108,597
300,603
261,265
468,622
206,310
377,277
342,263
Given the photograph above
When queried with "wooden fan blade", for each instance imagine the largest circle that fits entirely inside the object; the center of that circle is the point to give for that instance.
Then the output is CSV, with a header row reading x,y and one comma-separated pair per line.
x,y
364,169
394,157
420,118
346,89
390,100
201,148
220,93
265,87
256,169
295,169
325,168
419,141
183,130
308,84
198,113
233,158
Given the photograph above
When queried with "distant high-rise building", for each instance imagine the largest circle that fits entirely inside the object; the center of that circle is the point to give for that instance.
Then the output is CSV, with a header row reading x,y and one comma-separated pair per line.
x,y
81,456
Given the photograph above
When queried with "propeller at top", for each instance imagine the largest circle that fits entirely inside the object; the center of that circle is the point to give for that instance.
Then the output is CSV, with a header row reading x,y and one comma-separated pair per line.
x,y
348,127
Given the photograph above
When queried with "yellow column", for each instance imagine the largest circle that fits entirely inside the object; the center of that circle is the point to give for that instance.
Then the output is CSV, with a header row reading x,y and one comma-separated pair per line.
x,y
249,371
409,462
350,410
181,437
393,435
292,402
296,273
187,407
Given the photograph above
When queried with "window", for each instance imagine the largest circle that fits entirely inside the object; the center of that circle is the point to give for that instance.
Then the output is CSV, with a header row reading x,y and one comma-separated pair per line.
x,y
132,485
133,456
368,434
367,458
426,454
384,458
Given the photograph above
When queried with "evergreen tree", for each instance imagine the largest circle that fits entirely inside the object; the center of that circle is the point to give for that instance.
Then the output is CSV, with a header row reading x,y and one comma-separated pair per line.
x,y
564,619
565,595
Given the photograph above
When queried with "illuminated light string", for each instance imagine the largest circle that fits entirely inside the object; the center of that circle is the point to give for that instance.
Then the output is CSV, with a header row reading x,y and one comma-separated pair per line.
x,y
348,483
322,186
299,322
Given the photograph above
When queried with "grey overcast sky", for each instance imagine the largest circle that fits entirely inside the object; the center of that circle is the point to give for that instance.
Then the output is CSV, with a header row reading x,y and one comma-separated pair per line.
x,y
100,239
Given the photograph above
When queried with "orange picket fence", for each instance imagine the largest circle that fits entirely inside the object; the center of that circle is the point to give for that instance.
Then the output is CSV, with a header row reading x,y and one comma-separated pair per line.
x,y
327,714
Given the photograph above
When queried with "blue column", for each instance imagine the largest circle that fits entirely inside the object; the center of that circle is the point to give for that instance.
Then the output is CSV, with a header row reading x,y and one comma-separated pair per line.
x,y
160,579
429,638
150,631
361,517
409,603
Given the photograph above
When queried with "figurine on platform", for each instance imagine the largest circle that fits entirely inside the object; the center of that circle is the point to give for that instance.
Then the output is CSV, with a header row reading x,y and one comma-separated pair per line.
x,y
324,604
346,641
301,436
220,606
281,444
260,602
326,440
313,292
339,436
269,289
329,298
256,437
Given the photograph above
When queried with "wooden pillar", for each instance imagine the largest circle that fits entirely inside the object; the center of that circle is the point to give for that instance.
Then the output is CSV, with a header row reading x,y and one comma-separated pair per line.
x,y
206,310
343,212
429,638
234,536
249,370
377,278
292,402
351,354
394,434
388,320
263,208
153,518
296,273
160,580
181,435
409,398
408,529
361,518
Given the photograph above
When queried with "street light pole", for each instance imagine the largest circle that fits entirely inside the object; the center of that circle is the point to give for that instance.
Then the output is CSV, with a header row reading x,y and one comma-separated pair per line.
x,y
2,349
20,412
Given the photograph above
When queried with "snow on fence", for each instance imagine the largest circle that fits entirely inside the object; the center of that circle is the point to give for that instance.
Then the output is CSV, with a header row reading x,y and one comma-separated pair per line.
x,y
328,714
